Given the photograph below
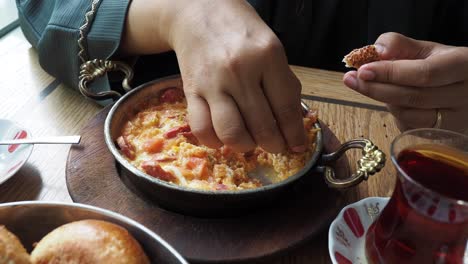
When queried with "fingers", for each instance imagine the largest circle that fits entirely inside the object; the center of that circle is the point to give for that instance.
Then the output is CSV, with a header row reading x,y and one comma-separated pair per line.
x,y
228,123
413,118
200,121
257,116
455,119
250,93
434,71
259,119
350,80
394,46
452,95
283,90
411,62
238,123
423,76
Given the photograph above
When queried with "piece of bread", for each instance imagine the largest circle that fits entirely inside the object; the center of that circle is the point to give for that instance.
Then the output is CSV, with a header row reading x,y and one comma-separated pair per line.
x,y
358,57
11,249
86,242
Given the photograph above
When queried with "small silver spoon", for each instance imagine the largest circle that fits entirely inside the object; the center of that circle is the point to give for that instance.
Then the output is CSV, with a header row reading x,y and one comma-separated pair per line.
x,y
43,140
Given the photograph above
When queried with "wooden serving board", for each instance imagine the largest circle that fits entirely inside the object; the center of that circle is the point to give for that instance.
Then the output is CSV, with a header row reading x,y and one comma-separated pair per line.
x,y
93,178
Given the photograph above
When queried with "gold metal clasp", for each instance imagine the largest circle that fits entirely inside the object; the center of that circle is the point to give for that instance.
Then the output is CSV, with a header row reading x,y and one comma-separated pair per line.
x,y
91,70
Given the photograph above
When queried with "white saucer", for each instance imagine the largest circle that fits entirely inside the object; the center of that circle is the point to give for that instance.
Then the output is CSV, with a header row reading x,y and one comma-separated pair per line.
x,y
12,157
347,233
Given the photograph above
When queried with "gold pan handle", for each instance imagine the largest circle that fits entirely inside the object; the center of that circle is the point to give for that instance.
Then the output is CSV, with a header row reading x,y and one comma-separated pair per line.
x,y
371,162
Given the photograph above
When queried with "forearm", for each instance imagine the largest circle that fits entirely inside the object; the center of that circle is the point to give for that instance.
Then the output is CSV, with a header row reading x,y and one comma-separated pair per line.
x,y
148,26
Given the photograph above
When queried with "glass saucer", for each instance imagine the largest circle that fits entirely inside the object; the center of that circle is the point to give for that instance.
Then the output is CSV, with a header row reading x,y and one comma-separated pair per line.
x,y
347,233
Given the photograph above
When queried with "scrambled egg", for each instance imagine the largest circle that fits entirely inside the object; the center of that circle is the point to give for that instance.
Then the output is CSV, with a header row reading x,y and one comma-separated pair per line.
x,y
158,141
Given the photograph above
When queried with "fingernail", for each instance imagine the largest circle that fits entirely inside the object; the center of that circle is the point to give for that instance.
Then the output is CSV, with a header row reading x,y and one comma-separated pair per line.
x,y
299,149
366,75
379,48
351,82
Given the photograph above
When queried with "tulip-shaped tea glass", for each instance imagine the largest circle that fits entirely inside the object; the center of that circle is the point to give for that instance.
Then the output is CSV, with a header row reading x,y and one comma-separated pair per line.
x,y
426,219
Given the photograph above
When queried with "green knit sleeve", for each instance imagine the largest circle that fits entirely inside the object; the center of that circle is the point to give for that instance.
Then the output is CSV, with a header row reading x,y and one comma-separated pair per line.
x,y
52,27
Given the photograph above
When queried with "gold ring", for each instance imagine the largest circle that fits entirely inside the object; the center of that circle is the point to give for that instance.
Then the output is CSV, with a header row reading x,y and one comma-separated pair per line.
x,y
438,122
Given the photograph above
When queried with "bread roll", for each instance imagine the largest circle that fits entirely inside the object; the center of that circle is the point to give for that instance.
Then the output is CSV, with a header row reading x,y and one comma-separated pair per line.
x,y
359,57
86,242
11,249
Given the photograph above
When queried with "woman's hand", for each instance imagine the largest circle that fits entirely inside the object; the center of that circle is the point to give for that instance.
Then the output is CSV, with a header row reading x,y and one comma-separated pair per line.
x,y
239,87
416,79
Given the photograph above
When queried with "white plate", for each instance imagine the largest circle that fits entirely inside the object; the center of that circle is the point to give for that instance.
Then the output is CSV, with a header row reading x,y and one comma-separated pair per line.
x,y
347,233
12,157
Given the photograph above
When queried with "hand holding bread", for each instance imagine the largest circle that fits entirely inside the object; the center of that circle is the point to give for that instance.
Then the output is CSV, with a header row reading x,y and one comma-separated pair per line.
x,y
418,80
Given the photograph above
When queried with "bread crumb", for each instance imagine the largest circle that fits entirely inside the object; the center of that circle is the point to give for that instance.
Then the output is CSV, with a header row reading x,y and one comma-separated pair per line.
x,y
358,57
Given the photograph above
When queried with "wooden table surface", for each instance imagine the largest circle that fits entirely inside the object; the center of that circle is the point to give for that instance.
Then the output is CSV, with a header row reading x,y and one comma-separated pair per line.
x,y
46,107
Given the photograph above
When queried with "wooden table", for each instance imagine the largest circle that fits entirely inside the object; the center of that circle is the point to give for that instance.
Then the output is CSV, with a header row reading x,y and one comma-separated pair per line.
x,y
39,102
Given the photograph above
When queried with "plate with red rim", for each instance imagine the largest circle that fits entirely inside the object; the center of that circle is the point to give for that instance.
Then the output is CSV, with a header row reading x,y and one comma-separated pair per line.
x,y
347,233
12,157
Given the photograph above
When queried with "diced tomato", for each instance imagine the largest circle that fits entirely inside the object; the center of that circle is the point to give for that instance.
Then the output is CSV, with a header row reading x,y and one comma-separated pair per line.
x,y
307,124
193,162
220,187
309,119
163,157
312,115
154,145
190,137
203,171
126,148
249,154
226,151
158,107
199,167
171,95
152,168
177,130
188,174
